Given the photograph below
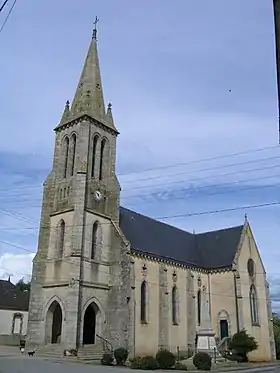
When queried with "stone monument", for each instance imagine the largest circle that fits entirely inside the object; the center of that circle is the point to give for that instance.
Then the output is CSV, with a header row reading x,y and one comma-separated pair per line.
x,y
205,334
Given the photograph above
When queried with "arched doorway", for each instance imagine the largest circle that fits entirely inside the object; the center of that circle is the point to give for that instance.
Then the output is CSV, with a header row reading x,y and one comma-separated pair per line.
x,y
89,329
54,323
224,324
223,329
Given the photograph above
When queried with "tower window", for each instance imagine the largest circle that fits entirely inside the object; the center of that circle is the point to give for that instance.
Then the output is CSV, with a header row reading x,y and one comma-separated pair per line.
x,y
73,153
94,240
93,162
66,154
198,307
103,143
143,303
61,237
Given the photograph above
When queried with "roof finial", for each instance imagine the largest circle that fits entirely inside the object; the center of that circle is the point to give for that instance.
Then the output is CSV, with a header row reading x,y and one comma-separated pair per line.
x,y
109,109
9,278
94,33
246,217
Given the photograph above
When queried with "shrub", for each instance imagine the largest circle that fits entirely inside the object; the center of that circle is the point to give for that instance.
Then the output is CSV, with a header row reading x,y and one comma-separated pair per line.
x,y
135,362
165,359
241,344
148,363
180,366
202,361
121,355
107,359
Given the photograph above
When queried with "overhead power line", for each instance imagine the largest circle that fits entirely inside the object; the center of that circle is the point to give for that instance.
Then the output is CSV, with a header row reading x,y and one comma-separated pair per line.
x,y
202,160
8,16
220,167
3,5
167,217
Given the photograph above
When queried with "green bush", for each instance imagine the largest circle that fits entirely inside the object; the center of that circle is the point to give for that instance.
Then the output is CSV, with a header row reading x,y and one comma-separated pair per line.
x,y
148,363
165,359
135,362
107,359
121,355
241,344
202,361
180,366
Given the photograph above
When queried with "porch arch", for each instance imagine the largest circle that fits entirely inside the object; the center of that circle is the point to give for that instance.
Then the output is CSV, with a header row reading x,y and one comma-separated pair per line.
x,y
92,321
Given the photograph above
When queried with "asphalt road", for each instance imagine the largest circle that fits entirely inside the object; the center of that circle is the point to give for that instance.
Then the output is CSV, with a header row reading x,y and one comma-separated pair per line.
x,y
12,364
38,365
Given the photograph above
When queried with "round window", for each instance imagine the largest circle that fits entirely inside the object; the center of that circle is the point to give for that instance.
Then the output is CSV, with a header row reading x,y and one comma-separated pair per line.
x,y
251,267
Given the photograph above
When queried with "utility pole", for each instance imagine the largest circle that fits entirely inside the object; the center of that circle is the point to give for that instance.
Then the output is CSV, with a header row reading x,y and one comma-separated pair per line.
x,y
276,10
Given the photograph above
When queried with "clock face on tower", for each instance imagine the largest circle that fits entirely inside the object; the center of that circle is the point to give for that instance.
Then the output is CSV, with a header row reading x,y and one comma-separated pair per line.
x,y
97,195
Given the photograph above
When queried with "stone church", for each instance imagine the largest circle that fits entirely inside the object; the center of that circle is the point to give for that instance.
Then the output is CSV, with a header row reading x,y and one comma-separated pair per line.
x,y
105,273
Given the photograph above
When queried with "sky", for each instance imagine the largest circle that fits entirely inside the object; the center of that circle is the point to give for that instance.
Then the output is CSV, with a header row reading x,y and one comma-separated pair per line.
x,y
194,98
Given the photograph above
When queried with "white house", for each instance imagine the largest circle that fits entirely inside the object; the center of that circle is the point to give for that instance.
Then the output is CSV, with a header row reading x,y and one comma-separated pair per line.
x,y
13,313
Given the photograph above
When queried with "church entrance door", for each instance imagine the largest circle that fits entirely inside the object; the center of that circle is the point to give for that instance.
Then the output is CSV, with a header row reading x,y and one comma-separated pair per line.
x,y
223,328
90,324
54,323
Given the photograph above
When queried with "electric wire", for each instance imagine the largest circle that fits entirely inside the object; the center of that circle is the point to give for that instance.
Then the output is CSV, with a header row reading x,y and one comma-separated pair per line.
x,y
193,180
3,5
168,217
8,16
164,176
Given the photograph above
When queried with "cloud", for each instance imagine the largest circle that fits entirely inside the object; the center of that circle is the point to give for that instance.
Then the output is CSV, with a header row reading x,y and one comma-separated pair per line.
x,y
16,266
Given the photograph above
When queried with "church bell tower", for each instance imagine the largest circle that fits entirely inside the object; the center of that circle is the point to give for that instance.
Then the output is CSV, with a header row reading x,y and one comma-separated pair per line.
x,y
80,205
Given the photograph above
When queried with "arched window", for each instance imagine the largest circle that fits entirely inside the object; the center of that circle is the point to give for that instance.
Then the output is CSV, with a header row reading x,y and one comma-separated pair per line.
x,y
143,301
253,304
174,305
103,143
94,240
198,307
93,161
61,237
73,153
66,153
251,267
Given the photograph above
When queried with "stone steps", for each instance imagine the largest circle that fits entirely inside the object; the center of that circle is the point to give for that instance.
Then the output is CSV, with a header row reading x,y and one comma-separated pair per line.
x,y
91,352
87,352
49,352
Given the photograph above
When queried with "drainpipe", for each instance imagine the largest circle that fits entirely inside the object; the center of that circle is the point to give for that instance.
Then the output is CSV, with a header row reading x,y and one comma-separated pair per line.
x,y
236,301
209,296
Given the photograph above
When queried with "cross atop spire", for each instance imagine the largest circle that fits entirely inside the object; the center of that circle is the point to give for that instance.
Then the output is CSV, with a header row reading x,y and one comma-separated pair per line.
x,y
94,32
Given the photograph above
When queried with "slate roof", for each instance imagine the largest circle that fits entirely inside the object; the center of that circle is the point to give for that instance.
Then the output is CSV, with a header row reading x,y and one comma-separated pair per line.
x,y
210,250
12,298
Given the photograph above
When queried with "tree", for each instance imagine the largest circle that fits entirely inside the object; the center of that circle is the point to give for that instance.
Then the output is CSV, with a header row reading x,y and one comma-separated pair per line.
x,y
241,344
23,286
276,330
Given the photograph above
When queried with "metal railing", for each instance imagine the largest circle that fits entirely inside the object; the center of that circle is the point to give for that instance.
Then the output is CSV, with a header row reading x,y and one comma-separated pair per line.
x,y
107,346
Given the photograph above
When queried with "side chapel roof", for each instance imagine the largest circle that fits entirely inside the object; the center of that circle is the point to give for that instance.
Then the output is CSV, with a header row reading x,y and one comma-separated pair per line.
x,y
209,250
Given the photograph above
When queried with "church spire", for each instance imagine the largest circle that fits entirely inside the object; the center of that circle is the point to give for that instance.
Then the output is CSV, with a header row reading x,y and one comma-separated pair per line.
x,y
88,98
66,112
